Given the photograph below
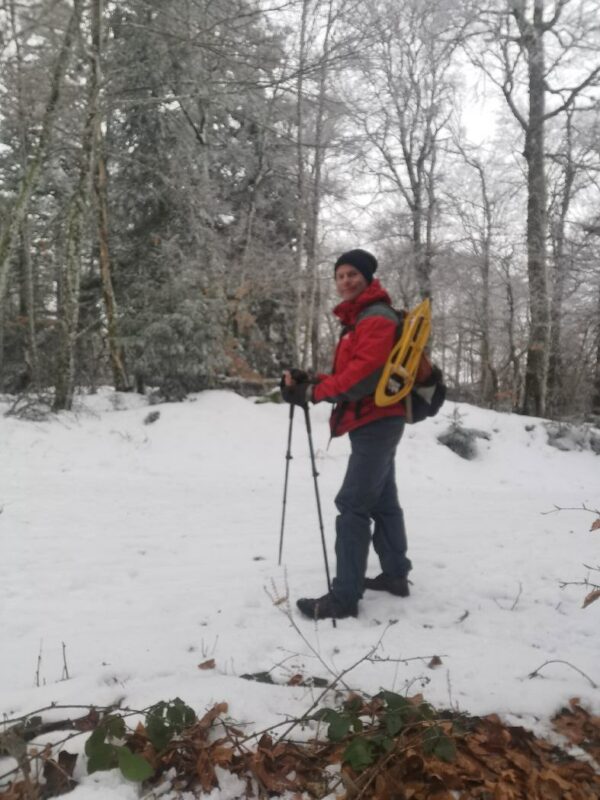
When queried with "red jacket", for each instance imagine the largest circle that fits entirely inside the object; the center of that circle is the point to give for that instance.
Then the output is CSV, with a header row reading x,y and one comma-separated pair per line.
x,y
359,359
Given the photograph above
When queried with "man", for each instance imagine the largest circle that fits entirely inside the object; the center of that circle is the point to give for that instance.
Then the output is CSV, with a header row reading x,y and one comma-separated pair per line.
x,y
369,489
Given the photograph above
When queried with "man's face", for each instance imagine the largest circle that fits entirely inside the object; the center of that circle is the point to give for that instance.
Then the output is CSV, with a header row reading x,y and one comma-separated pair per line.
x,y
349,282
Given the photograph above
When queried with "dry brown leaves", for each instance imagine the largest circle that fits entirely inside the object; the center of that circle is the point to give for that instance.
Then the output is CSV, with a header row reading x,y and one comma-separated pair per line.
x,y
57,779
580,728
20,790
493,761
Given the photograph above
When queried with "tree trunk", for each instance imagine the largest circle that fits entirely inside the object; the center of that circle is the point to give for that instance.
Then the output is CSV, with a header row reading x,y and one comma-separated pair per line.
x,y
459,356
110,306
28,283
300,186
29,297
555,370
489,376
1,345
596,390
70,271
429,224
534,400
16,213
316,333
312,260
515,386
419,254
68,306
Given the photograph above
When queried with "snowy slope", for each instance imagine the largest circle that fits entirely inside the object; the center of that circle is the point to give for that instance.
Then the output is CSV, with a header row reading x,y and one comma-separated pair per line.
x,y
147,549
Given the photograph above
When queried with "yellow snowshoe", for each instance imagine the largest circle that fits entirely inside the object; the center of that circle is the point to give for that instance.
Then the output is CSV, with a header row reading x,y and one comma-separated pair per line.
x,y
399,373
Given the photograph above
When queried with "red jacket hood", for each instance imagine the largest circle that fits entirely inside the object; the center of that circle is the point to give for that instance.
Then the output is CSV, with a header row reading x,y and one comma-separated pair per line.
x,y
348,310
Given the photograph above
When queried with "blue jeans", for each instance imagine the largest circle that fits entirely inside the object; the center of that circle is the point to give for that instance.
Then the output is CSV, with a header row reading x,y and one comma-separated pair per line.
x,y
369,492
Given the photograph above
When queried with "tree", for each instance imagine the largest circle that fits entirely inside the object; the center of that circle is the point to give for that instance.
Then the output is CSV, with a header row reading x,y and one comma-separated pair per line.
x,y
529,48
573,167
410,71
115,349
476,209
201,190
15,214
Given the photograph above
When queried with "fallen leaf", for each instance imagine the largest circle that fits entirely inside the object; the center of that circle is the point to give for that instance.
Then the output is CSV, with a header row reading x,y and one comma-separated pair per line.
x,y
591,598
595,525
205,771
552,776
87,723
208,664
58,774
19,790
221,754
212,714
436,661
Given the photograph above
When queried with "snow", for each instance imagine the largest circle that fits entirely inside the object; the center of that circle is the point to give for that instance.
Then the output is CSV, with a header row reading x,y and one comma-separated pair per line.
x,y
147,549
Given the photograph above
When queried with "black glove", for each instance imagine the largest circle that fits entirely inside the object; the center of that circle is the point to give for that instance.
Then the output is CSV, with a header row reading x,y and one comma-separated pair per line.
x,y
297,394
300,376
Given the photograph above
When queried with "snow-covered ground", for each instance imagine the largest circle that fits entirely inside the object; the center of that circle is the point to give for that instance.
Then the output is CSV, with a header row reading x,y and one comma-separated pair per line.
x,y
147,549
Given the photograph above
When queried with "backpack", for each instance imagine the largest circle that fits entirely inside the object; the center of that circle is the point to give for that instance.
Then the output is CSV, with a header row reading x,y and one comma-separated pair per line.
x,y
427,396
428,392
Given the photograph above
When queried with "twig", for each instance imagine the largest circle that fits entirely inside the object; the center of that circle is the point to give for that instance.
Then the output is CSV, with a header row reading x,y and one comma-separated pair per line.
x,y
288,613
582,507
515,601
53,706
514,605
65,672
380,660
536,672
328,688
586,583
129,712
39,664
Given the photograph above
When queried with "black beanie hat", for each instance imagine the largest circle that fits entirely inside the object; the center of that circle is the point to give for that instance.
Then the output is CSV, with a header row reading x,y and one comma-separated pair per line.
x,y
361,260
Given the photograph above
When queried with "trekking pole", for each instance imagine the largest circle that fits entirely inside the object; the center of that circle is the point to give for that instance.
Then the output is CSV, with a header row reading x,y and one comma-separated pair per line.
x,y
315,475
288,458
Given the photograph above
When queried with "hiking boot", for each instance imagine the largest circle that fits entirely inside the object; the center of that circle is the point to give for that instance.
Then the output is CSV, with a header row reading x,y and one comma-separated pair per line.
x,y
387,583
326,607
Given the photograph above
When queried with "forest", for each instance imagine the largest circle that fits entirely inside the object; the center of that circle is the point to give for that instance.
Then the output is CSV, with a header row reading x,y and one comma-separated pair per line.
x,y
177,178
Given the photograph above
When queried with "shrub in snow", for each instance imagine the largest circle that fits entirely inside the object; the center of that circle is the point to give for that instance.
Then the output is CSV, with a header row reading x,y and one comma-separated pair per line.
x,y
33,407
568,436
462,441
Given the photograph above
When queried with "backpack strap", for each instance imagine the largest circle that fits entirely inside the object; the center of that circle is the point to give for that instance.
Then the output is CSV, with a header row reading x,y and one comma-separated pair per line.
x,y
380,309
